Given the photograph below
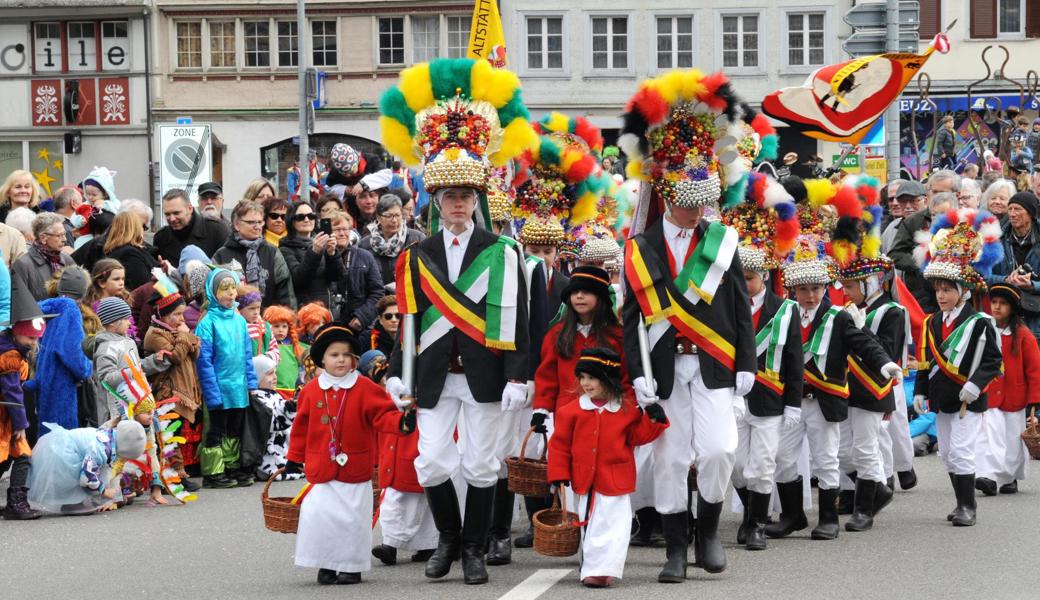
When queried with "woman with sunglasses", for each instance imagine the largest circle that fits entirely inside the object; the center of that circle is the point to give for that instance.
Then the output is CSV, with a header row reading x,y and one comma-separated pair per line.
x,y
384,331
388,235
310,255
275,227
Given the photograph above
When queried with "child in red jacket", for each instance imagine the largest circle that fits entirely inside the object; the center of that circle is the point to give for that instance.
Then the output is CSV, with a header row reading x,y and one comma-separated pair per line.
x,y
1000,451
338,415
592,449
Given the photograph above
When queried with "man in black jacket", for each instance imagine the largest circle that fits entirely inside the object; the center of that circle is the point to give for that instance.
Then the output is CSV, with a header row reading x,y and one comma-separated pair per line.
x,y
186,227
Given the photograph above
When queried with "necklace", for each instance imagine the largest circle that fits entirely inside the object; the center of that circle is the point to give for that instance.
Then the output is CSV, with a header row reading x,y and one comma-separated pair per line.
x,y
336,454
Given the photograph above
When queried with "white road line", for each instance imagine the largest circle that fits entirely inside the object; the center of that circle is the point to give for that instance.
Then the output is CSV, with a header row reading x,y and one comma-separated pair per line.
x,y
536,585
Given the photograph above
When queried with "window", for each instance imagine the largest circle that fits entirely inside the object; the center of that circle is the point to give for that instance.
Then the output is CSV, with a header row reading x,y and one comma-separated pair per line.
x,y
740,41
323,37
115,46
545,43
288,52
82,47
221,44
391,41
610,43
458,36
1010,17
426,35
258,43
674,42
805,39
189,45
47,43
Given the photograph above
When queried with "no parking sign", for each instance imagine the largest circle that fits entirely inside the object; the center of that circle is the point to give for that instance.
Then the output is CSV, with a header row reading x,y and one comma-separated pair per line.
x,y
185,158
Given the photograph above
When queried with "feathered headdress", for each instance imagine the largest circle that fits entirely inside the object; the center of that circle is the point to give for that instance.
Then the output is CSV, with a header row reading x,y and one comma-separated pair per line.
x,y
767,224
682,132
832,211
962,246
809,263
857,246
167,295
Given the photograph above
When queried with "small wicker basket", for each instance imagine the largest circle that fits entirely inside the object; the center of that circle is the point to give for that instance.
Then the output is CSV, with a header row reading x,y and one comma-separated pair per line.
x,y
1031,437
556,531
528,476
280,514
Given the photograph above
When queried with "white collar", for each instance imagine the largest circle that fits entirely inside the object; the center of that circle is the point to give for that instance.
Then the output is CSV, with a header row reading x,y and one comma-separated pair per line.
x,y
758,300
1005,331
585,330
873,297
811,313
326,381
585,403
463,237
672,231
953,314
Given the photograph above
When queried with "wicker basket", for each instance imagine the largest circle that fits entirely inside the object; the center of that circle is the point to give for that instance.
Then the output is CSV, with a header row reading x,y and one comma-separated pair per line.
x,y
556,531
1031,436
528,476
280,514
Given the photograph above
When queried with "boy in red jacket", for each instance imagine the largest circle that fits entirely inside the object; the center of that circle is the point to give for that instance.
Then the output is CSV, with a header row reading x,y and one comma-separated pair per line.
x,y
338,415
592,448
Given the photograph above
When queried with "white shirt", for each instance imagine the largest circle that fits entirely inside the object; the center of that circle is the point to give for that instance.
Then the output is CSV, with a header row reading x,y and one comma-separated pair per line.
x,y
950,316
678,240
326,381
585,330
758,300
454,251
807,316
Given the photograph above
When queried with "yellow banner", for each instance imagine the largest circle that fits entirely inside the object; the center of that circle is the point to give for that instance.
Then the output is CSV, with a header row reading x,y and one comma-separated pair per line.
x,y
486,39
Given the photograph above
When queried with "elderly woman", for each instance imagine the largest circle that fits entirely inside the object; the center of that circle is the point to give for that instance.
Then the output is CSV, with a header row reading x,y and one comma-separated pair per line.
x,y
19,189
21,218
311,258
389,235
259,190
970,194
125,243
995,198
263,265
275,226
359,289
44,257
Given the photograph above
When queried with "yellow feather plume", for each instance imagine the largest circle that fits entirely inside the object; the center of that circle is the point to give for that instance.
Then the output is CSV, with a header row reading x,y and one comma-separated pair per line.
x,y
584,208
516,137
568,159
871,246
496,86
634,169
819,191
557,122
398,141
416,87
692,88
843,251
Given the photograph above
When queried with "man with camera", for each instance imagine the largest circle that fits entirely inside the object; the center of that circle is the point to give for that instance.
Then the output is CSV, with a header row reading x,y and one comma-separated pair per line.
x,y
1021,263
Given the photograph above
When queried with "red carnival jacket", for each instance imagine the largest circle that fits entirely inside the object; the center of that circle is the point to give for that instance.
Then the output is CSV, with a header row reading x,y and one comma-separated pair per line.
x,y
592,447
397,454
554,382
1010,391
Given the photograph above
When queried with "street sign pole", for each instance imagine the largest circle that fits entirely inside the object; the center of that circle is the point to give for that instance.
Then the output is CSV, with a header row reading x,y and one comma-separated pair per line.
x,y
892,114
301,62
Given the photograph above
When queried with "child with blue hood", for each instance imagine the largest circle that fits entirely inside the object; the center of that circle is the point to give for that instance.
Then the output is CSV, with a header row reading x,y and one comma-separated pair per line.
x,y
226,376
61,365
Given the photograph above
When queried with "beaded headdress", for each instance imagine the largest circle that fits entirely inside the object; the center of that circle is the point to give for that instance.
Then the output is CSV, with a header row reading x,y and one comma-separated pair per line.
x,y
962,246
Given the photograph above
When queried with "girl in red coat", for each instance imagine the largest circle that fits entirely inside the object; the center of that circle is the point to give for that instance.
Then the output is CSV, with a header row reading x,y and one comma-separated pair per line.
x,y
1001,454
332,441
592,451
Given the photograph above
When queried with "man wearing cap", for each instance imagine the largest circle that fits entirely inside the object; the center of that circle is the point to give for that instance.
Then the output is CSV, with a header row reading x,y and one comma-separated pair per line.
x,y
186,227
1021,240
211,201
908,197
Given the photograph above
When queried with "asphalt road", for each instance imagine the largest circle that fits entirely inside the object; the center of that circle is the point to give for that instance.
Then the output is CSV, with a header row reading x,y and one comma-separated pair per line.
x,y
218,548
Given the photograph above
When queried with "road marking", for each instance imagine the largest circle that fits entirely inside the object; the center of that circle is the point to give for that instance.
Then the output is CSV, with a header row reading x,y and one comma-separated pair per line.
x,y
536,585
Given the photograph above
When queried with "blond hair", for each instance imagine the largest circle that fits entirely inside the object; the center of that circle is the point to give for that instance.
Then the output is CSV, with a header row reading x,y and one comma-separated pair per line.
x,y
126,229
13,178
256,186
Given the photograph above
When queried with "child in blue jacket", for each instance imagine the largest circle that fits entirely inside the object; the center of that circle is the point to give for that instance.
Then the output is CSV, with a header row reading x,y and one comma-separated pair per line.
x,y
226,377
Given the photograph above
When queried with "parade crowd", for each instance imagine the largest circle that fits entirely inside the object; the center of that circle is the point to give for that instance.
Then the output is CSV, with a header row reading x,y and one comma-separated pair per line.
x,y
664,320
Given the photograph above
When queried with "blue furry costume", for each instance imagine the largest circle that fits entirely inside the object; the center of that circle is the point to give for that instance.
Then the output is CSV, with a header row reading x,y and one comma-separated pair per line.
x,y
60,365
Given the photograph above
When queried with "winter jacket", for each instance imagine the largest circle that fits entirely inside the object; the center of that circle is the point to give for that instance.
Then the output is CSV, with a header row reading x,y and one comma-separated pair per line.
x,y
60,365
902,255
380,339
111,351
181,380
279,287
1010,390
208,234
138,263
312,273
555,384
388,264
361,287
12,364
225,362
944,142
34,270
397,454
1009,264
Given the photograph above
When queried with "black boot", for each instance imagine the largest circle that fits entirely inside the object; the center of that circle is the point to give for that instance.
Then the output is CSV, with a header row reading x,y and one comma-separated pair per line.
x,y
742,493
242,477
648,532
18,508
674,528
987,486
828,526
863,517
756,531
532,504
953,482
847,498
326,576
710,555
475,532
386,554
220,481
882,497
1010,488
422,556
792,515
444,505
964,516
907,479
500,546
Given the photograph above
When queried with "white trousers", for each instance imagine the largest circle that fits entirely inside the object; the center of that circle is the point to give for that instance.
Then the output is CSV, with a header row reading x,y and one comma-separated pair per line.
x,y
957,440
823,439
897,449
702,428
1000,452
406,522
858,447
604,541
335,530
758,439
644,494
475,453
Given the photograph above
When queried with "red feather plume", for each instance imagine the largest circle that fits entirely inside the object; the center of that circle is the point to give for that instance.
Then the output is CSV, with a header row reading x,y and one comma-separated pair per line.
x,y
650,104
847,203
588,132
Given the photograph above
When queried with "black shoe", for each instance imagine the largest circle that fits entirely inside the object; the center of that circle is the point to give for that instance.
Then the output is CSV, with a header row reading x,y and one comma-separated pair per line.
x,y
475,533
348,578
846,502
964,515
907,479
863,516
891,482
710,554
473,570
882,497
386,554
987,486
1009,488
422,555
326,576
219,481
243,478
827,529
792,515
676,548
189,485
742,493
500,551
756,531
18,508
525,539
499,545
648,532
444,505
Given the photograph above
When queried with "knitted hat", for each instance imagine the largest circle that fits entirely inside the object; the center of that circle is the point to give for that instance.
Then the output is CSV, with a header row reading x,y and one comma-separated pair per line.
x,y
130,439
263,365
962,246
602,363
326,336
112,309
344,159
590,279
167,295
188,254
74,282
1027,201
368,359
196,273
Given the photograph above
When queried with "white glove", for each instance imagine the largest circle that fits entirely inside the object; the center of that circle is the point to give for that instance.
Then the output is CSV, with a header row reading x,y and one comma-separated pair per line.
x,y
745,381
396,388
644,390
530,393
892,371
739,408
792,416
969,393
919,405
513,396
859,316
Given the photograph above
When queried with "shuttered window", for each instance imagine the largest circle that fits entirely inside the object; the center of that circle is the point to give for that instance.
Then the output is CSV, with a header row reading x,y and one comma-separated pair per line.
x,y
983,18
931,18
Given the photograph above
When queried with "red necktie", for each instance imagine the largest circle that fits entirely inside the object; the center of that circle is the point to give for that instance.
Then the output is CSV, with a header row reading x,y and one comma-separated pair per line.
x,y
455,242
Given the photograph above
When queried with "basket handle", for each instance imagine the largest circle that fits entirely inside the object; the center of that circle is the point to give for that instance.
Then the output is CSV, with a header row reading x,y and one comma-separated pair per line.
x,y
523,445
270,480
562,497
